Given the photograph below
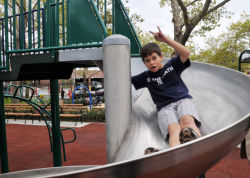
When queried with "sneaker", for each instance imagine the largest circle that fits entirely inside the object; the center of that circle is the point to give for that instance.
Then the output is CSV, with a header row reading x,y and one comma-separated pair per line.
x,y
150,150
187,134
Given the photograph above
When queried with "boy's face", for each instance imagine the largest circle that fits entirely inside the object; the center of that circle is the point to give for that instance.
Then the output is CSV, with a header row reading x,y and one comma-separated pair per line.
x,y
153,62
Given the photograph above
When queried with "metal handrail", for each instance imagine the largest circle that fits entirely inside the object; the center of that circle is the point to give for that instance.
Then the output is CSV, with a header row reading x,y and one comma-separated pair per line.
x,y
39,20
43,34
42,111
90,45
240,59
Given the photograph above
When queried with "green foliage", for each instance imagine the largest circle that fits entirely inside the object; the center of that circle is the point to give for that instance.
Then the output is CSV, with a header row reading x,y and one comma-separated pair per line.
x,y
164,3
7,100
95,115
225,49
211,20
43,100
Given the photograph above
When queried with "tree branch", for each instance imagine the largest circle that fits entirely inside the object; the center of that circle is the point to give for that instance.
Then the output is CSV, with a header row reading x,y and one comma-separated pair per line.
x,y
217,6
34,7
191,3
202,13
185,13
17,3
93,74
205,8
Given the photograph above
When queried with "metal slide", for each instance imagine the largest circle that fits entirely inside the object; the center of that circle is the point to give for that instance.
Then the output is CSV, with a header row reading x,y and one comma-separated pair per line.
x,y
222,98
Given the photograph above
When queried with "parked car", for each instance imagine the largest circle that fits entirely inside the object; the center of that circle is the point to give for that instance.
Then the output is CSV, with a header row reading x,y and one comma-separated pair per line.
x,y
100,92
79,93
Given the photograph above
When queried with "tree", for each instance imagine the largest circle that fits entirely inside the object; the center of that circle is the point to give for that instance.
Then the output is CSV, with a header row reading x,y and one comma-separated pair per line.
x,y
225,49
187,14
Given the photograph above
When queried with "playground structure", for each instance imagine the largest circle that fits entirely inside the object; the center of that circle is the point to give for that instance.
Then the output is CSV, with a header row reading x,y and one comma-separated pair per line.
x,y
48,42
221,95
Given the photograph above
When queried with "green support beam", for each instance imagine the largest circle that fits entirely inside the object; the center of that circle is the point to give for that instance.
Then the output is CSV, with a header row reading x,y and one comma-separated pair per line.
x,y
3,139
57,158
54,96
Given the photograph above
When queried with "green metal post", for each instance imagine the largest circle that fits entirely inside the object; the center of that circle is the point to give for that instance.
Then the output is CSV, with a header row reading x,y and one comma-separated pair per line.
x,y
57,23
45,22
6,26
48,19
3,139
14,22
113,16
239,66
29,26
38,23
68,28
63,22
105,12
56,133
21,26
55,123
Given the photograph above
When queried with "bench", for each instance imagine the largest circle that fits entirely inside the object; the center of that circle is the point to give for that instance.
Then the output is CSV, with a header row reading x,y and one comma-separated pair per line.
x,y
76,112
15,114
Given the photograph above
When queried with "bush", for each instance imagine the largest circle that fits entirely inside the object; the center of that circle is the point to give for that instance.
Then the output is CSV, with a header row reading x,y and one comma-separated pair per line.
x,y
7,100
95,115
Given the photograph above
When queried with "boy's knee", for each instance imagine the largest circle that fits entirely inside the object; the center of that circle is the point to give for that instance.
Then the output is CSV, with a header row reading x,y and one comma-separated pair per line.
x,y
187,120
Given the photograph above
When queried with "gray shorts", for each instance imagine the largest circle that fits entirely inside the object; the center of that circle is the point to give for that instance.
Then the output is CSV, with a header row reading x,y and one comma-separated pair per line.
x,y
173,112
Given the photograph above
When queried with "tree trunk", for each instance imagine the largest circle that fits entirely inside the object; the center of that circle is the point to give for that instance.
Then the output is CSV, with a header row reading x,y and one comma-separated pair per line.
x,y
177,20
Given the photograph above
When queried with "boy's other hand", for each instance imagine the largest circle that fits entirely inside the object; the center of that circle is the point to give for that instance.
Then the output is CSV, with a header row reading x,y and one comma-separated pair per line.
x,y
159,36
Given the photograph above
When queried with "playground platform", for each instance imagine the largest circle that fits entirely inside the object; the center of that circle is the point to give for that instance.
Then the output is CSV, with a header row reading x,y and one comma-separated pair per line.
x,y
29,148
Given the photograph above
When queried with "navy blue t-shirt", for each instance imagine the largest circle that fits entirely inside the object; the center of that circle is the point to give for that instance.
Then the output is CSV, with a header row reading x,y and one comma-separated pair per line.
x,y
165,85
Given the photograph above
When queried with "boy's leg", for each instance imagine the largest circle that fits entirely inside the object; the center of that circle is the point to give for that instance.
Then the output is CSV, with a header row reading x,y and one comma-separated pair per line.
x,y
174,130
187,121
188,115
167,118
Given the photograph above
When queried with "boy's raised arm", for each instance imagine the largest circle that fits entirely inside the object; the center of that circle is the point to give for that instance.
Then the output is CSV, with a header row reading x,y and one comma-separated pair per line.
x,y
182,50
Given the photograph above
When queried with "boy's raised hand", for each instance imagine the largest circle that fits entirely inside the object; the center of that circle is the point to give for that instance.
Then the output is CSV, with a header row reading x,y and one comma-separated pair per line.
x,y
179,48
159,36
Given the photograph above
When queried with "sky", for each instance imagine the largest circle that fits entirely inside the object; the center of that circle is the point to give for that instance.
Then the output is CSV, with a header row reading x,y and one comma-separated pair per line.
x,y
155,16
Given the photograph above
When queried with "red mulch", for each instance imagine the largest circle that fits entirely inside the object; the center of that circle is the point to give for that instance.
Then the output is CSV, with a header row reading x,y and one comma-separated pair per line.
x,y
29,148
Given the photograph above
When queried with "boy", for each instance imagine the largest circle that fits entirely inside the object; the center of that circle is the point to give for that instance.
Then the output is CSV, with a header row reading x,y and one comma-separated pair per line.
x,y
177,116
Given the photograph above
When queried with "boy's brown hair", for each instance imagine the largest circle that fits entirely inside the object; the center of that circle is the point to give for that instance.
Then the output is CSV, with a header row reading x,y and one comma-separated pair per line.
x,y
148,49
